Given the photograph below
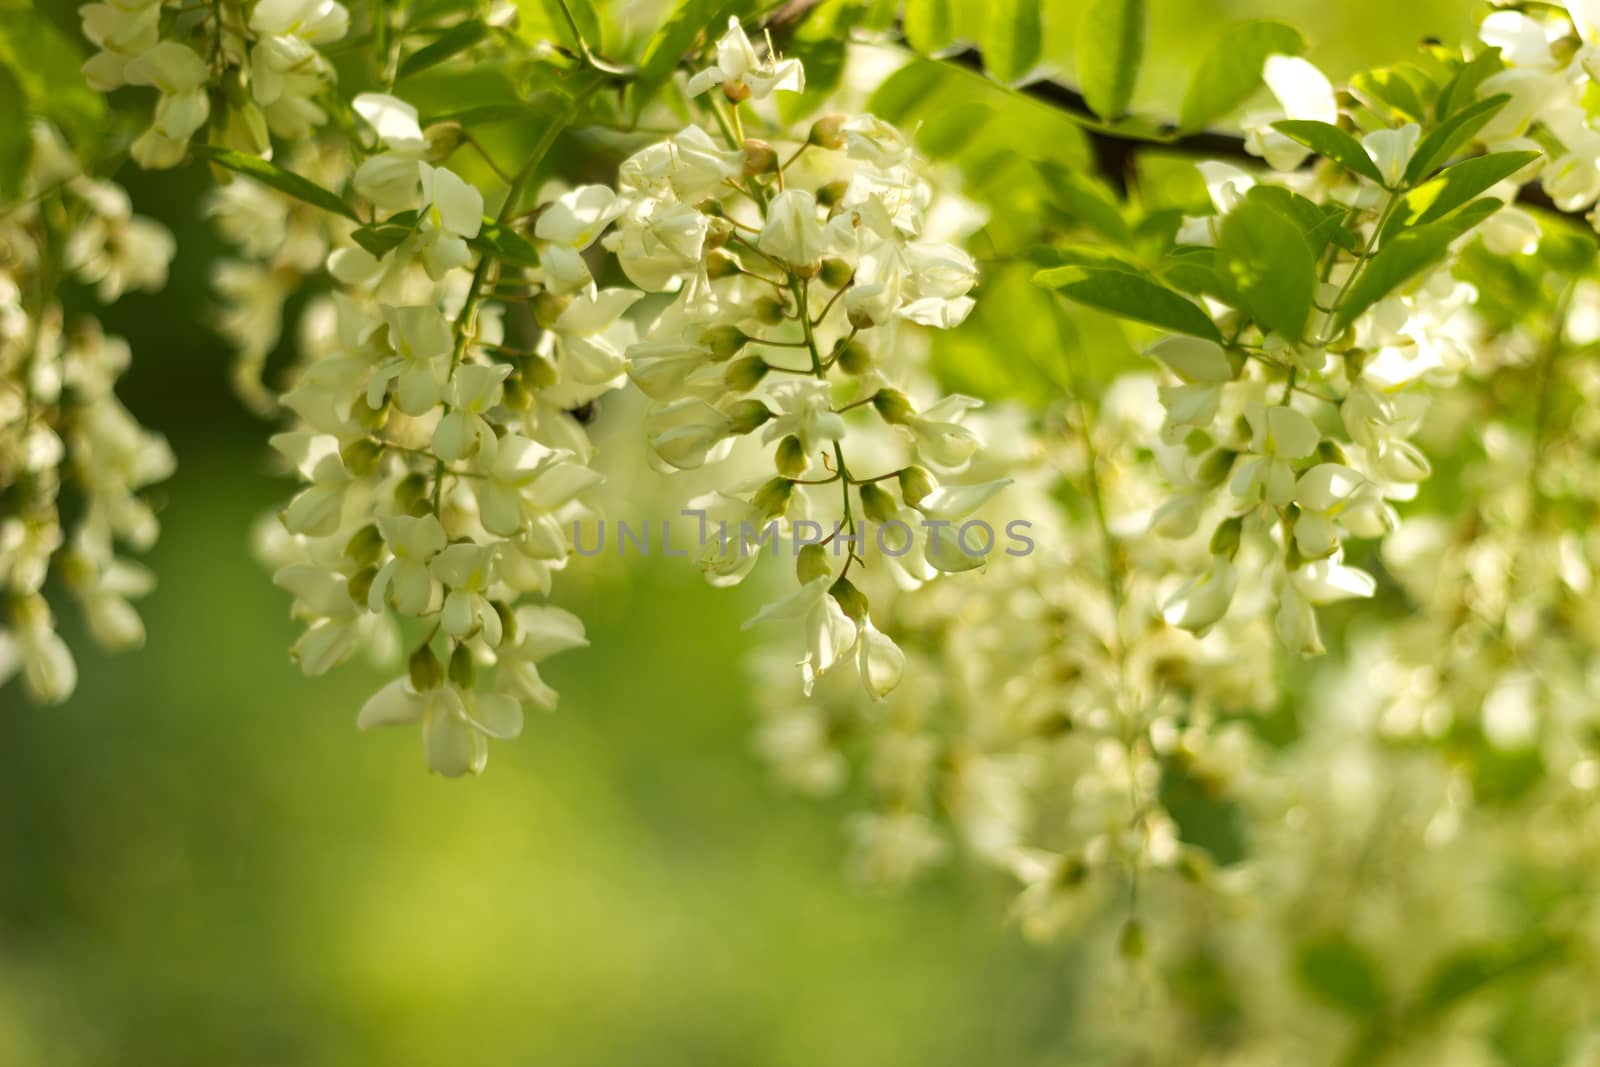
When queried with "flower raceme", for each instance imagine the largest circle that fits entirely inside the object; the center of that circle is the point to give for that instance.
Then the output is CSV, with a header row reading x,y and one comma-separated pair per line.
x,y
795,264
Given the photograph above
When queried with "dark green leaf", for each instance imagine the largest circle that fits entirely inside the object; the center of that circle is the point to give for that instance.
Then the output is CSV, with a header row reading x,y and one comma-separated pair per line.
x,y
1012,37
1130,296
1455,131
282,180
506,244
16,144
455,40
1462,182
1408,254
1087,201
1463,88
46,65
929,25
1342,974
1110,48
1231,71
1331,142
1265,268
675,38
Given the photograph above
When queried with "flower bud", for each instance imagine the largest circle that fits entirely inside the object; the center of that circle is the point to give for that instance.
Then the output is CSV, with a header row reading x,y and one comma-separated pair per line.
x,y
442,139
720,264
536,372
425,669
508,623
1214,469
370,418
853,357
916,483
1328,451
771,310
736,91
747,415
547,308
360,584
835,273
828,132
877,503
791,458
463,671
1225,538
893,406
832,193
724,341
411,492
743,375
360,457
851,599
1130,943
365,545
759,158
772,499
811,564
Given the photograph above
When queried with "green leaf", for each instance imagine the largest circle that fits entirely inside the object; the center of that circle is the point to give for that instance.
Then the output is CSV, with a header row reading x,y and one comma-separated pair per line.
x,y
1110,47
1408,254
46,65
506,244
1460,183
1231,71
1464,973
1331,142
1342,974
456,40
1264,267
674,40
1130,296
1394,87
282,180
16,144
1443,141
381,238
929,24
1012,37
1088,201
1462,89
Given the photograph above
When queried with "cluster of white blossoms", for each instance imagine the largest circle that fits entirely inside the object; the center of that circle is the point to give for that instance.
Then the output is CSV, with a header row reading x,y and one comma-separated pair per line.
x,y
261,59
441,471
73,461
798,264
1299,444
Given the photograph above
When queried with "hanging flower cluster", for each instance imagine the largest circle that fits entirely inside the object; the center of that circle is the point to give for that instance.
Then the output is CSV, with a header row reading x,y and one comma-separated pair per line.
x,y
799,264
261,60
73,460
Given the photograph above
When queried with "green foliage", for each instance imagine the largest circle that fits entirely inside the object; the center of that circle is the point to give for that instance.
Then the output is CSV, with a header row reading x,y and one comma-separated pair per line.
x,y
1332,143
1110,49
1231,71
1409,253
1139,297
42,65
1342,974
1264,266
285,181
1013,36
452,42
1444,140
1459,184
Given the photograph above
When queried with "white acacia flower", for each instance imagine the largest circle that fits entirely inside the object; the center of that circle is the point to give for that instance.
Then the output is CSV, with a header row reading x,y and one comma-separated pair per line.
x,y
524,485
452,213
421,341
829,632
463,431
684,432
1202,602
742,74
805,411
1281,435
33,648
404,580
455,722
879,660
466,570
541,631
793,230
1303,92
566,226
940,438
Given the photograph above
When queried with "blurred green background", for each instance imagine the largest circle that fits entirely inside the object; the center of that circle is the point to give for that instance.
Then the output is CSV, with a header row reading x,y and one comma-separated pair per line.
x,y
202,862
